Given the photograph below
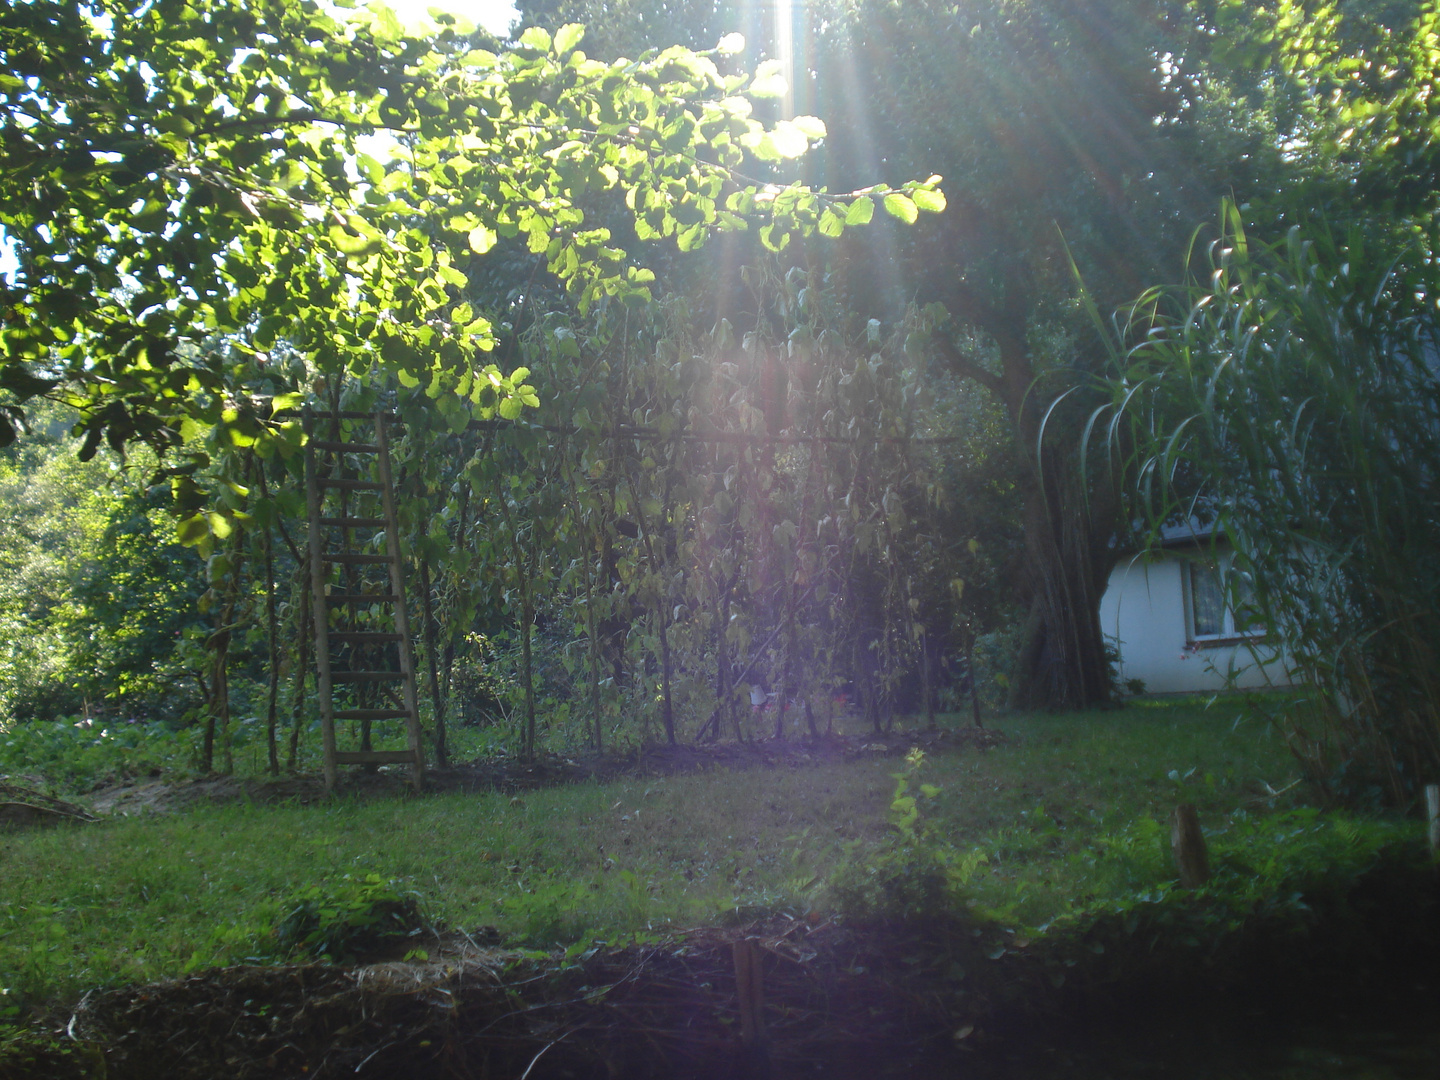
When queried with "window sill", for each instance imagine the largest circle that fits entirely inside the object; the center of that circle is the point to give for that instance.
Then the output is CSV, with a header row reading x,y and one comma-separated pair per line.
x,y
1258,638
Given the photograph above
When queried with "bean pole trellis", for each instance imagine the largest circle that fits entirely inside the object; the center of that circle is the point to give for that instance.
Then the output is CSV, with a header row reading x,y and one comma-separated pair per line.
x,y
699,514
692,513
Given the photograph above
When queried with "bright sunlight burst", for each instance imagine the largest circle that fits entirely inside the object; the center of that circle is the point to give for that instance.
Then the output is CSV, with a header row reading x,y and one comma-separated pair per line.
x,y
494,15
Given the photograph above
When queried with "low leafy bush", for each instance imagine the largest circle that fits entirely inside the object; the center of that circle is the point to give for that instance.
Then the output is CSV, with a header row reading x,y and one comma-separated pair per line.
x,y
351,919
555,909
78,755
917,873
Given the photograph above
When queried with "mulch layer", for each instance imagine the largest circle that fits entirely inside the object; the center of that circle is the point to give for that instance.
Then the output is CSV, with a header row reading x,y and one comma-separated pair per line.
x,y
670,1010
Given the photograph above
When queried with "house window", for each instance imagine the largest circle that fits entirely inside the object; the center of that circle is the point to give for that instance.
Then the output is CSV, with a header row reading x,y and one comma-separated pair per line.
x,y
1211,615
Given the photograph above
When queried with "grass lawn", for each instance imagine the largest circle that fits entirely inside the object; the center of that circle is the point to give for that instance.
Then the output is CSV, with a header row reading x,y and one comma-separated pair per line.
x,y
1070,809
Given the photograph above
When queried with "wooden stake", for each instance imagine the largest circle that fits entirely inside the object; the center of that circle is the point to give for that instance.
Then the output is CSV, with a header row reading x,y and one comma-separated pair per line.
x,y
1187,843
1432,811
750,991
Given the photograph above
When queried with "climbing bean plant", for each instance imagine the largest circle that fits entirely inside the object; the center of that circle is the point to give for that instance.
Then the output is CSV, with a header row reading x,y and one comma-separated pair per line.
x,y
692,512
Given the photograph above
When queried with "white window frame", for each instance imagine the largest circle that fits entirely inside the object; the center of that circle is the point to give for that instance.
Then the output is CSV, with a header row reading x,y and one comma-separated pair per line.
x,y
1219,565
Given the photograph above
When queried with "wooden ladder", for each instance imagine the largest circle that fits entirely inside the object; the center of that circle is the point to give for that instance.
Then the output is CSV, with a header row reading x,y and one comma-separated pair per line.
x,y
343,593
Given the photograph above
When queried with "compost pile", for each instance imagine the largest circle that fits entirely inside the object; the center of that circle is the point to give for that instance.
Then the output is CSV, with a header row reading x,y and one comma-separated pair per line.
x,y
832,1007
23,803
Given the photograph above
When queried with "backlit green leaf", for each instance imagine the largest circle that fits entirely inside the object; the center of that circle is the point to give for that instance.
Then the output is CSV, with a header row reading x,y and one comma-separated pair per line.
x,y
812,126
568,37
535,37
789,140
482,239
930,201
768,81
860,211
900,206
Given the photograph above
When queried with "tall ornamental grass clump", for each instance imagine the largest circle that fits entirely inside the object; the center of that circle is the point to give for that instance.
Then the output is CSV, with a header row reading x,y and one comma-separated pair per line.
x,y
1294,399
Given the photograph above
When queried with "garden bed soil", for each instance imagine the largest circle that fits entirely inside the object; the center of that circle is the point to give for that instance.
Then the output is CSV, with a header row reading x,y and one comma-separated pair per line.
x,y
656,1010
153,795
839,1001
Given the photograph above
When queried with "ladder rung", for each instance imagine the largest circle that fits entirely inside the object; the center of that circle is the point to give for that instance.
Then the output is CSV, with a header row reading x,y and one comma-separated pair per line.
x,y
373,714
353,522
352,485
347,447
361,598
344,414
363,637
374,757
365,676
357,559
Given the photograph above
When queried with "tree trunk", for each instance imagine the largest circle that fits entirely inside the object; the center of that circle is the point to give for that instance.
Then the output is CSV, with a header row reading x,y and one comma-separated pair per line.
x,y
1068,522
447,660
667,711
218,725
207,739
437,699
272,629
792,601
1062,663
592,633
1068,526
970,674
527,664
219,643
305,634
722,668
928,705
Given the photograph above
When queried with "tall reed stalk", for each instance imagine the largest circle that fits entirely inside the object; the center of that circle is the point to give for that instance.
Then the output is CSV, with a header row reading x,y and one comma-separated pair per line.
x,y
1294,399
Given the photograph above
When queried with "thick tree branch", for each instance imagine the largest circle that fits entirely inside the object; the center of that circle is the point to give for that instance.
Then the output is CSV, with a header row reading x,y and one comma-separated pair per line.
x,y
968,367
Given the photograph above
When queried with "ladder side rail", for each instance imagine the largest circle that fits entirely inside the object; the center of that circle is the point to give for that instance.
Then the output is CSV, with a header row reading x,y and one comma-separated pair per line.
x,y
357,657
323,684
397,580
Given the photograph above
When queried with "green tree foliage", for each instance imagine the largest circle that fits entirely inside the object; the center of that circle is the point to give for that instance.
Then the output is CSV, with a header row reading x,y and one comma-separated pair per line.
x,y
96,604
1338,98
1086,140
1294,394
702,510
186,194
1071,135
1067,132
202,236
1287,390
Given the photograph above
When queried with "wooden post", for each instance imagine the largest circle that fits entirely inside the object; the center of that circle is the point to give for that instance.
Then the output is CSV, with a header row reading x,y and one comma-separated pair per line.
x,y
974,681
1187,843
402,618
319,609
750,991
1432,812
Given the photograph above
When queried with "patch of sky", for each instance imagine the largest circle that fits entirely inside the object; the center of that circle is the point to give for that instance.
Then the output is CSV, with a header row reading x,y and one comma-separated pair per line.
x,y
9,264
493,15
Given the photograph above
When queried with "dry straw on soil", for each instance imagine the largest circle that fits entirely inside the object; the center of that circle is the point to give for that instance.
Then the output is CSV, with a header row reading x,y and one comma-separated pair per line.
x,y
667,1010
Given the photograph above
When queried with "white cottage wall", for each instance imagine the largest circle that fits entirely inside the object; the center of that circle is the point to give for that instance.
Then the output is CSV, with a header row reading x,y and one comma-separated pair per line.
x,y
1143,612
